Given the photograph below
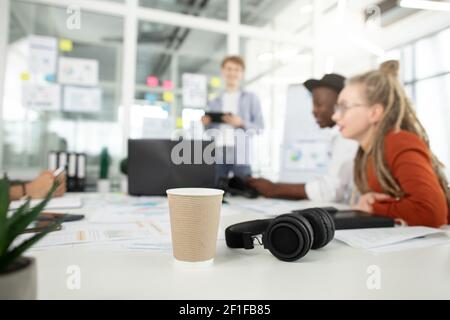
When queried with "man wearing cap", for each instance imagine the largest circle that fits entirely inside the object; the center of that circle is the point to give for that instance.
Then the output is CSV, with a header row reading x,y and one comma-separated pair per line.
x,y
335,184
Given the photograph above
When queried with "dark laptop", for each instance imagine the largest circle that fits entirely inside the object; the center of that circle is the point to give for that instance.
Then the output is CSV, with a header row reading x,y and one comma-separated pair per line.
x,y
151,170
355,219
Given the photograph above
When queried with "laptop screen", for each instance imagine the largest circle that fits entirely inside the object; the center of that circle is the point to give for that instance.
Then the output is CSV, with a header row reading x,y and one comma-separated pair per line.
x,y
155,165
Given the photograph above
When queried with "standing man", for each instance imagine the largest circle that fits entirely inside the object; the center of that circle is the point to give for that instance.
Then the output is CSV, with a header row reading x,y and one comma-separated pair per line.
x,y
335,184
242,111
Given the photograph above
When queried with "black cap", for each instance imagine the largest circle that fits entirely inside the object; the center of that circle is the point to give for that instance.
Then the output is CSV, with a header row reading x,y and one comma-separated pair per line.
x,y
331,80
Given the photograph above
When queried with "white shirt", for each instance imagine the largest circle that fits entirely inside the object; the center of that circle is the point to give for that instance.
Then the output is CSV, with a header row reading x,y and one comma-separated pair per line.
x,y
230,104
337,183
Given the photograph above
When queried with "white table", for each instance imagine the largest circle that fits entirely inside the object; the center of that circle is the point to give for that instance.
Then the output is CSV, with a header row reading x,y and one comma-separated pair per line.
x,y
334,272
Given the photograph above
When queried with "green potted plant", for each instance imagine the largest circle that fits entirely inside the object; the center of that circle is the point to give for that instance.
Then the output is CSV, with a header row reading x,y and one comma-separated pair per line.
x,y
103,184
18,273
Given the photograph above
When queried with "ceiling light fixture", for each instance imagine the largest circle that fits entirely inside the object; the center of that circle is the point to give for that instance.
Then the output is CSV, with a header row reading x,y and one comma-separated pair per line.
x,y
425,5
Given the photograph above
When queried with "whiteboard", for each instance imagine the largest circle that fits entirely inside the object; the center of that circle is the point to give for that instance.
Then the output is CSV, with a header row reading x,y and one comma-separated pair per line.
x,y
305,150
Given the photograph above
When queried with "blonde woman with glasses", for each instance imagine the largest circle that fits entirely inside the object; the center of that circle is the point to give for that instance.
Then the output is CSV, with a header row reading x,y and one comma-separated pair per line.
x,y
395,171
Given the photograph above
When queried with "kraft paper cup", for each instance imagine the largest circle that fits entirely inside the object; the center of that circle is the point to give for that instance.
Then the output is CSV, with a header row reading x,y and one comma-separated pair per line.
x,y
194,223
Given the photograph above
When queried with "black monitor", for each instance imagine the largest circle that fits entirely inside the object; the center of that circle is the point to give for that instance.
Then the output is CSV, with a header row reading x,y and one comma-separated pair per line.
x,y
152,169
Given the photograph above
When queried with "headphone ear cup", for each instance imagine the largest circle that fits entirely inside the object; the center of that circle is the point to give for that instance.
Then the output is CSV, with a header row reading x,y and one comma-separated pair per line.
x,y
322,224
289,237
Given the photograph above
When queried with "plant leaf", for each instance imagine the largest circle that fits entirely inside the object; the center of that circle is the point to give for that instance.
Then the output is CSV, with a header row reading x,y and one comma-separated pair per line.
x,y
4,199
12,221
4,204
19,212
24,220
9,257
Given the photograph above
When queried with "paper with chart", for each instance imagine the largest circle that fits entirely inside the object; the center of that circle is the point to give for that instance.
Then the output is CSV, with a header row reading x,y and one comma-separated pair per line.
x,y
90,235
195,90
117,221
307,155
75,71
46,97
84,233
80,99
132,210
262,205
381,237
42,54
275,207
66,202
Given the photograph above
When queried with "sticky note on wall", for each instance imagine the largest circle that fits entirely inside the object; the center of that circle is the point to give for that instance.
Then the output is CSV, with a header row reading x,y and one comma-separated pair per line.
x,y
151,97
24,76
168,84
65,45
152,81
50,78
215,82
179,123
168,96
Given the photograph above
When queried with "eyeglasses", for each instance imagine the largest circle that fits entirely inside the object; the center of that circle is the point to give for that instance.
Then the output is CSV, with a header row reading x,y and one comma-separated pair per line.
x,y
342,109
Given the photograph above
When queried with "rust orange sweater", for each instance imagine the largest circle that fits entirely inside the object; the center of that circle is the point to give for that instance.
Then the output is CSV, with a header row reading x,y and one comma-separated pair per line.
x,y
409,161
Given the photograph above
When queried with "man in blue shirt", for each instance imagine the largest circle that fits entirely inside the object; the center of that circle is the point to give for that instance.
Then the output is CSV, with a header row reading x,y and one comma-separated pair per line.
x,y
242,111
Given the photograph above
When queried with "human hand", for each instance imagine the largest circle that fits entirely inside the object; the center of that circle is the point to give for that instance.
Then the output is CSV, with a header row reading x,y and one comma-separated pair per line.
x,y
61,189
233,120
206,120
367,200
39,187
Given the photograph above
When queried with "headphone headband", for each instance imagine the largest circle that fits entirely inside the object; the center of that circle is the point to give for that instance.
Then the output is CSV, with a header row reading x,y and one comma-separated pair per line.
x,y
241,235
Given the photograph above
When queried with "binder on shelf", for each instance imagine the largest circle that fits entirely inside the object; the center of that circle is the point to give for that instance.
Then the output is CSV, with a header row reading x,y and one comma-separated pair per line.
x,y
62,159
72,172
52,161
75,166
81,171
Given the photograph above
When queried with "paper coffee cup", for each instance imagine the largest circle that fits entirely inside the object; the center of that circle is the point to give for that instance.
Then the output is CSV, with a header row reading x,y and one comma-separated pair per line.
x,y
194,222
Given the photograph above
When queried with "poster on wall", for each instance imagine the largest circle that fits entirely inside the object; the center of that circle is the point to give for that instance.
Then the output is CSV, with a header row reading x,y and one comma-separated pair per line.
x,y
195,91
42,97
74,71
42,54
79,99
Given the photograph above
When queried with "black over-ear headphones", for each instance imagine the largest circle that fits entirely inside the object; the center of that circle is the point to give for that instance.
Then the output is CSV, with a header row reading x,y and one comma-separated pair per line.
x,y
288,237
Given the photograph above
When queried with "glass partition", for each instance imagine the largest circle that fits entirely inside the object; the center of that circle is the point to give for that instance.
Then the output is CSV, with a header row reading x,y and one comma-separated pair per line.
x,y
62,88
